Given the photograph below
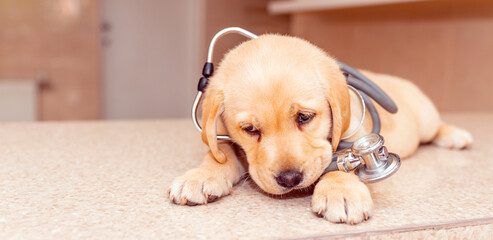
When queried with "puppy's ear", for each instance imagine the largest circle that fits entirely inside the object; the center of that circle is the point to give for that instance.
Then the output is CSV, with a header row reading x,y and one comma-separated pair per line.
x,y
213,107
338,96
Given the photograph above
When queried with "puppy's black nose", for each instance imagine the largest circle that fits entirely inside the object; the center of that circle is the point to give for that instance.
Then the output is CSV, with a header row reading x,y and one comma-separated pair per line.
x,y
289,179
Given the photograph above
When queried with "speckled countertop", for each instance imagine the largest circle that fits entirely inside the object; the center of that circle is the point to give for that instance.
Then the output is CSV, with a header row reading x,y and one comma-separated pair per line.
x,y
106,180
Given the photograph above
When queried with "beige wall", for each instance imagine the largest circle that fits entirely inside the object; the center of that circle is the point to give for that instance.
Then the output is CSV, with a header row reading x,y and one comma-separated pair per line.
x,y
154,49
445,47
59,39
152,53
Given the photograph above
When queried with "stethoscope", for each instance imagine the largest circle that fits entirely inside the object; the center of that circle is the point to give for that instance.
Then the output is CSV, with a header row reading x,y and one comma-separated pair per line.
x,y
367,156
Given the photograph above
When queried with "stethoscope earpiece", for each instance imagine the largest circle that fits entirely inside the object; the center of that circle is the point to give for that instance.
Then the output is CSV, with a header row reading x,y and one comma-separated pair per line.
x,y
208,70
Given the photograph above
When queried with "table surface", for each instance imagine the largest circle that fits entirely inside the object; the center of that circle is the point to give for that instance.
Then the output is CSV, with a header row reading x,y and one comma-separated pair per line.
x,y
107,179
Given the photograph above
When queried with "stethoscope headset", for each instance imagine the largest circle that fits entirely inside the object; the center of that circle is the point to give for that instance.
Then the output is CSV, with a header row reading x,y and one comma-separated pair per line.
x,y
367,156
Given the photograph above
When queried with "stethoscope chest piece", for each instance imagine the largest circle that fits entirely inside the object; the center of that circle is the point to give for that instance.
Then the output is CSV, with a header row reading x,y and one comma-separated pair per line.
x,y
370,159
384,170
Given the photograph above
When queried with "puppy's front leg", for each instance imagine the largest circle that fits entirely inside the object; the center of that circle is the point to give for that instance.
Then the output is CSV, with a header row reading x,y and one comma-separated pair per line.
x,y
342,197
209,181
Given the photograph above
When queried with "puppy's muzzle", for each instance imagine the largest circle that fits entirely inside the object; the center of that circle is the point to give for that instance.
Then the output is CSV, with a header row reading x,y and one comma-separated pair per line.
x,y
289,179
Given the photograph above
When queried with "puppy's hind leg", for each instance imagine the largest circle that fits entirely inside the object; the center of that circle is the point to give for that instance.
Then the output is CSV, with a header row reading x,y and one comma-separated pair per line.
x,y
431,127
452,137
209,181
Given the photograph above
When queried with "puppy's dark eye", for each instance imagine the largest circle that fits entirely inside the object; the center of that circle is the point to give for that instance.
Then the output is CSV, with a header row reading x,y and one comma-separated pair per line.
x,y
251,130
304,118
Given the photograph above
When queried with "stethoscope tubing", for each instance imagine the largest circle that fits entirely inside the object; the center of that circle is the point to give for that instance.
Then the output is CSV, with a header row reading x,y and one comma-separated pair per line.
x,y
360,84
369,87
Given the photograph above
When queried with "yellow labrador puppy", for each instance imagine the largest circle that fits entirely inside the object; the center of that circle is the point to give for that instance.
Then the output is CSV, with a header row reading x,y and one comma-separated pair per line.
x,y
286,104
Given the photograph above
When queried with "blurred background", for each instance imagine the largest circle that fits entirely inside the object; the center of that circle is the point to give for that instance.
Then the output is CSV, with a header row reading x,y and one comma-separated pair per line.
x,y
127,59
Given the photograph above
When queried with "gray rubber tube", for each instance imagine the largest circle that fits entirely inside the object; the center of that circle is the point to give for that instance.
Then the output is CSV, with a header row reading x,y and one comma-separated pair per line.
x,y
360,82
332,166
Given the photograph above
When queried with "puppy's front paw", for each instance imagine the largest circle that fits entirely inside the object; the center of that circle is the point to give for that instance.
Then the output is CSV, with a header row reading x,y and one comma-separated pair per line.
x,y
199,186
342,198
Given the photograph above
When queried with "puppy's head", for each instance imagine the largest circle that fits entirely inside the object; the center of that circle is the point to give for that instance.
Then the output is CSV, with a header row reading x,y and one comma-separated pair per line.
x,y
285,102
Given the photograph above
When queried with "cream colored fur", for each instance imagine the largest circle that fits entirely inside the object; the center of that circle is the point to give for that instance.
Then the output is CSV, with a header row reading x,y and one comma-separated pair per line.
x,y
266,83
